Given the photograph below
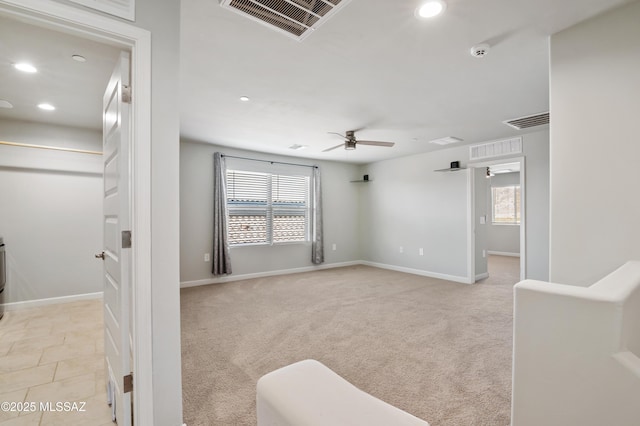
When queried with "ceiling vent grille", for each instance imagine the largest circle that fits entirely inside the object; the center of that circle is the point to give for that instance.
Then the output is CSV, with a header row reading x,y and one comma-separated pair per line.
x,y
529,121
495,149
295,18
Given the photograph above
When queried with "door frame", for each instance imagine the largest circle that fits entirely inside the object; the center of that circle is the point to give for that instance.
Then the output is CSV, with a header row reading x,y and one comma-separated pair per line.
x,y
471,205
111,31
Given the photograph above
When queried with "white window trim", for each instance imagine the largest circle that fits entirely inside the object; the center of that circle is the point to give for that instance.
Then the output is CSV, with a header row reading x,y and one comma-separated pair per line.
x,y
269,208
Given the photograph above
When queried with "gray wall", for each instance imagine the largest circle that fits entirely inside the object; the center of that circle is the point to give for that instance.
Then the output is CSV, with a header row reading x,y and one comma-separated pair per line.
x,y
482,209
408,205
502,238
595,104
340,206
50,211
162,19
536,151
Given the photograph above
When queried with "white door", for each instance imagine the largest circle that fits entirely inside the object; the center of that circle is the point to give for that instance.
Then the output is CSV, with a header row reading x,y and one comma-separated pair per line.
x,y
117,251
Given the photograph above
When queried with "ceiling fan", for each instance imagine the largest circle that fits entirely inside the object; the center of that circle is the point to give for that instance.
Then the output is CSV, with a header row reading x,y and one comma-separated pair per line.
x,y
350,141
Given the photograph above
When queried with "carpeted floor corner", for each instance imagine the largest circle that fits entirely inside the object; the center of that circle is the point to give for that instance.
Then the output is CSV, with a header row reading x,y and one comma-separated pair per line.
x,y
437,349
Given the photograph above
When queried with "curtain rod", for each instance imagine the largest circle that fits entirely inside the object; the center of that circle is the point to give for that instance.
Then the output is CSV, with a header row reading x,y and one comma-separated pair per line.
x,y
268,161
54,148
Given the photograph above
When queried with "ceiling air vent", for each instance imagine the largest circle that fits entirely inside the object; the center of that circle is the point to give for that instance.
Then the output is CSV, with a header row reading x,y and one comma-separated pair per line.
x,y
529,121
295,18
495,149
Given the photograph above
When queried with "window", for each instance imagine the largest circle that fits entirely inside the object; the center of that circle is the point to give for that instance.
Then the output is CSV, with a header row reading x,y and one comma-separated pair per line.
x,y
267,208
506,204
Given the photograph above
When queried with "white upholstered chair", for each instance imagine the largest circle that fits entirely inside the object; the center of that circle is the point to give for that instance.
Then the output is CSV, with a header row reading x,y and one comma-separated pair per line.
x,y
307,393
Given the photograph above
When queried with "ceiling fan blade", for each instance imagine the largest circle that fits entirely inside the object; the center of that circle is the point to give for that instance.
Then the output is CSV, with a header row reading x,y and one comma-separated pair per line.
x,y
334,133
376,143
333,147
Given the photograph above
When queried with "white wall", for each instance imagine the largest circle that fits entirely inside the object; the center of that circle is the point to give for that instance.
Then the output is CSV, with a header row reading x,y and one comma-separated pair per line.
x,y
502,238
340,215
595,105
50,211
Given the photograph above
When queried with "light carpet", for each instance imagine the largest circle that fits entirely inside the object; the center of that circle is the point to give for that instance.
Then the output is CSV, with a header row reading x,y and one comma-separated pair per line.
x,y
436,349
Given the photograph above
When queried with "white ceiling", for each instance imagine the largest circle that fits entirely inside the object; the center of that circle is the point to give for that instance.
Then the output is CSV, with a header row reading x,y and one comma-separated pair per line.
x,y
74,88
372,65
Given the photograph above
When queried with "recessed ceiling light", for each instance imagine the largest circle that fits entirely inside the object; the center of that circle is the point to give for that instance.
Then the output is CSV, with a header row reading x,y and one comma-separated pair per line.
x,y
244,98
5,104
431,8
79,58
25,67
46,107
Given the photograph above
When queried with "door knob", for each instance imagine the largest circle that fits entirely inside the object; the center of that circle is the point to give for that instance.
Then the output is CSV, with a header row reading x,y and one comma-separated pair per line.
x,y
100,256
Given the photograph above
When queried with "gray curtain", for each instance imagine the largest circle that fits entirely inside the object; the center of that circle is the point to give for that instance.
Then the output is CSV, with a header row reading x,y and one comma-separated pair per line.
x,y
221,257
317,240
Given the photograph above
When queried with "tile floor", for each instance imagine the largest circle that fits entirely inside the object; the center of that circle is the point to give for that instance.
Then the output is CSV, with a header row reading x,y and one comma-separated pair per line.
x,y
54,353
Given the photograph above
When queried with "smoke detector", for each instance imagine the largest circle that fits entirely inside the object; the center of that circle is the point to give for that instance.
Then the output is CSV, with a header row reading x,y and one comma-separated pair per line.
x,y
480,50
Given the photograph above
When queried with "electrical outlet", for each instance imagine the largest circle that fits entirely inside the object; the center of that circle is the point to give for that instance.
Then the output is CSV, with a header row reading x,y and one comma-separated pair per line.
x,y
401,249
207,257
334,247
421,251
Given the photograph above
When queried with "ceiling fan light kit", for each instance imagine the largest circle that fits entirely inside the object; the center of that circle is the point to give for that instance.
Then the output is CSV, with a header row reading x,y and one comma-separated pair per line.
x,y
350,141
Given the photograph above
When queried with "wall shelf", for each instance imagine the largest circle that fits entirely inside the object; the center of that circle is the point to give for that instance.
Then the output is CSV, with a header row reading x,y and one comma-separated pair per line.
x,y
453,167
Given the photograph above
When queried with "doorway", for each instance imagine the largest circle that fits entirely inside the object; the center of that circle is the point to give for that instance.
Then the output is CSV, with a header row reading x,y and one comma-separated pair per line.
x,y
497,220
92,26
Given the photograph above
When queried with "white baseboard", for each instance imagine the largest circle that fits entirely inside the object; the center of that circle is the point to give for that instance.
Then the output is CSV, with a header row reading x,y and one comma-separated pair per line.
x,y
463,280
229,278
16,306
482,276
503,253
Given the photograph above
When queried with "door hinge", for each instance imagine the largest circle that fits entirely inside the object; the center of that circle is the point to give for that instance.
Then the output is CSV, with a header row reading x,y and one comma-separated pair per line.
x,y
127,383
126,94
126,239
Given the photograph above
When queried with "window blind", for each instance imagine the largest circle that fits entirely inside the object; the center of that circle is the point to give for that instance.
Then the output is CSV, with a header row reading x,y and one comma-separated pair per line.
x,y
267,208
